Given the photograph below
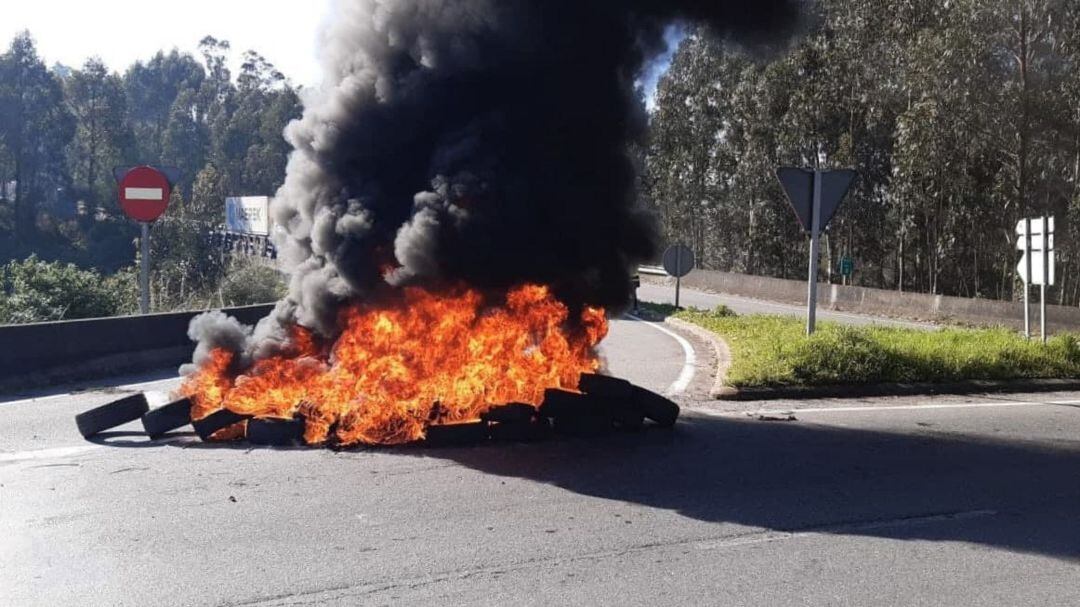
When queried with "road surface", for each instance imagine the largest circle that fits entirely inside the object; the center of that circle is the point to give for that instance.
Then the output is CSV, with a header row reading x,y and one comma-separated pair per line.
x,y
902,501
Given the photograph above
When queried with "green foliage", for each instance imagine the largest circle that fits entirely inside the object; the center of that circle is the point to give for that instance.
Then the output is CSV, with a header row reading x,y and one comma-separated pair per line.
x,y
961,117
103,135
35,127
773,350
250,282
63,131
36,291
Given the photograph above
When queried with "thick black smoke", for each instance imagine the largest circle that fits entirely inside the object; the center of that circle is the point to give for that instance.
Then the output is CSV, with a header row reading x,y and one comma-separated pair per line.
x,y
475,141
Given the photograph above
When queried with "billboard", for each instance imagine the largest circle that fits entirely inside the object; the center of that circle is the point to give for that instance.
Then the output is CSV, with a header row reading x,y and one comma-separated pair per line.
x,y
248,215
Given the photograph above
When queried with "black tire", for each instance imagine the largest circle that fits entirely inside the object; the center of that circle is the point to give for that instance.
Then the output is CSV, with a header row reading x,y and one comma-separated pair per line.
x,y
657,408
456,435
165,419
275,432
511,413
584,425
219,420
521,432
605,386
116,413
563,403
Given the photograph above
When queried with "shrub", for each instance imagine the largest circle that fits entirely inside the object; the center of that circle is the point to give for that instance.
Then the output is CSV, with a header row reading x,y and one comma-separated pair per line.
x,y
36,291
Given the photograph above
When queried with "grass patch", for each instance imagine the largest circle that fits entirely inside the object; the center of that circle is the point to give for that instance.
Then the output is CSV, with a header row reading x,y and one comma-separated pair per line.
x,y
773,351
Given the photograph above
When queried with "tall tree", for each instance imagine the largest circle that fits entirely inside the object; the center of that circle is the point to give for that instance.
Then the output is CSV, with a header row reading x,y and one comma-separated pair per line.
x,y
152,90
103,137
35,127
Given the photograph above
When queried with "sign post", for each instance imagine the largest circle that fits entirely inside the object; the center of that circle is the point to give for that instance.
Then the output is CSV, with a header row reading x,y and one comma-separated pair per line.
x,y
144,269
814,195
1027,272
815,231
678,261
144,196
1045,278
1036,240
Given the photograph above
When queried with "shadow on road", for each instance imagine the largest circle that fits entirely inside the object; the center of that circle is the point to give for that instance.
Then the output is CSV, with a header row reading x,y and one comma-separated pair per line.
x,y
792,477
800,477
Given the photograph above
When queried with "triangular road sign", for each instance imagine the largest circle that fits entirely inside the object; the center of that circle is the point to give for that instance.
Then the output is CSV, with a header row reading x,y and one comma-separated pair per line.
x,y
799,186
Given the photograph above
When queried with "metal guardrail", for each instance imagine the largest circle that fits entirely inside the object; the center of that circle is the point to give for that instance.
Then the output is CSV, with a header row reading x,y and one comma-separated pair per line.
x,y
652,270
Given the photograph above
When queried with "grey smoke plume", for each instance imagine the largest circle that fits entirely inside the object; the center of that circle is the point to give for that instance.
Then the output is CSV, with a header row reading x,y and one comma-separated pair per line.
x,y
475,141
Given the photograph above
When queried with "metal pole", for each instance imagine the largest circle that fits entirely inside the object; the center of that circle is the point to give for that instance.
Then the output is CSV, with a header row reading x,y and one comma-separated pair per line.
x,y
1045,277
815,228
1027,278
678,275
144,270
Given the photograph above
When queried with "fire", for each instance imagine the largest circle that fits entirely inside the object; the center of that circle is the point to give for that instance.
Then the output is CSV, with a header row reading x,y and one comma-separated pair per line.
x,y
397,368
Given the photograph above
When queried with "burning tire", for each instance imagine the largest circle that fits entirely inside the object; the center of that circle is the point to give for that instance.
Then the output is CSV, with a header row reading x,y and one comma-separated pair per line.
x,y
456,435
207,426
111,415
521,432
564,404
511,413
158,422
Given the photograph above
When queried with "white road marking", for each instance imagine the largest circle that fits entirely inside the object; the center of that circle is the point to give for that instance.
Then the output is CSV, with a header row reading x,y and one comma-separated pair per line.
x,y
144,193
690,359
57,453
991,404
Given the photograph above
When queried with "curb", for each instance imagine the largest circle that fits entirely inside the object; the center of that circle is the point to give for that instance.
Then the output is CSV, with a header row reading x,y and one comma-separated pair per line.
x,y
720,349
915,389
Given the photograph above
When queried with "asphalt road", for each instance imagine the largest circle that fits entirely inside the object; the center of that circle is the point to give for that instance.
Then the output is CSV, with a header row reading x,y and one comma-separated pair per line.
x,y
902,501
744,305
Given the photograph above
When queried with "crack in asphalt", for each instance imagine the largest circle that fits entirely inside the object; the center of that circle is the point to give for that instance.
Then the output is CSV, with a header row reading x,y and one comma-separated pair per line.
x,y
347,591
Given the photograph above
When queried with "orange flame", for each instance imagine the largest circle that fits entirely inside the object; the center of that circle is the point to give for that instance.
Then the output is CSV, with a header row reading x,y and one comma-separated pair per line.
x,y
395,369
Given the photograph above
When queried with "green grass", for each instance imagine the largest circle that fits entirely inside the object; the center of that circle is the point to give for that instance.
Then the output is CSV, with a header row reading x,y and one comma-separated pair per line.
x,y
773,351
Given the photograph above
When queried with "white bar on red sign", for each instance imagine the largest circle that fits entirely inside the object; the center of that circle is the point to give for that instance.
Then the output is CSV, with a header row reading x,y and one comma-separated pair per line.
x,y
143,193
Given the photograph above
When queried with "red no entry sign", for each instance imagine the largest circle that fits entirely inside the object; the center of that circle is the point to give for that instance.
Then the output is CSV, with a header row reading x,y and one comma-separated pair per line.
x,y
144,193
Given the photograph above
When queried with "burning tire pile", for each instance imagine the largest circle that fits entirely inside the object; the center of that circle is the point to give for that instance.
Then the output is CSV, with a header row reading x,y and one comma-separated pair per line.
x,y
603,405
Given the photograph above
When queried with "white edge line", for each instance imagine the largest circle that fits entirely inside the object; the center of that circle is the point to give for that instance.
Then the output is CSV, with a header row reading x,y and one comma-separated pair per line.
x,y
689,366
57,453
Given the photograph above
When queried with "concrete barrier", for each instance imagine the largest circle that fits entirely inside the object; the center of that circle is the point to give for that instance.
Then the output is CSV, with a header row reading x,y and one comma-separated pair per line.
x,y
880,302
46,353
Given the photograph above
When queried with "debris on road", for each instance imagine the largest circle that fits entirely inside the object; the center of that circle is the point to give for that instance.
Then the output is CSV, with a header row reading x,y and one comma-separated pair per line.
x,y
776,417
116,413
